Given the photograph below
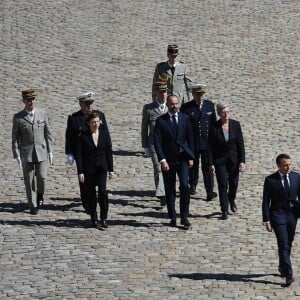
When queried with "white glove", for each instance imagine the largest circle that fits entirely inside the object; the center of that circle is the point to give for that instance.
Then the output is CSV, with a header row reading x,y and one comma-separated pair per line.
x,y
19,161
147,152
81,178
51,158
70,159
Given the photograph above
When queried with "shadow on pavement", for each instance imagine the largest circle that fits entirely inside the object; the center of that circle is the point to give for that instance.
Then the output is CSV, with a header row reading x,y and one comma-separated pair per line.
x,y
128,153
150,214
134,193
13,207
56,223
226,277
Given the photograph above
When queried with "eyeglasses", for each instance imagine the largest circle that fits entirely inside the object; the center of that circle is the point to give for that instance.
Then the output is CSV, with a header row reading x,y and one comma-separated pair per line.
x,y
225,112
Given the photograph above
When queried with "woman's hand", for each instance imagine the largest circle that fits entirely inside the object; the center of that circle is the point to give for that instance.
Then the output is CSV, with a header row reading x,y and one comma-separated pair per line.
x,y
242,167
81,178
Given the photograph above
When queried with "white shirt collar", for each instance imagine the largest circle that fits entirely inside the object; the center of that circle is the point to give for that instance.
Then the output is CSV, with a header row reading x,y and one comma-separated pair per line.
x,y
172,65
30,112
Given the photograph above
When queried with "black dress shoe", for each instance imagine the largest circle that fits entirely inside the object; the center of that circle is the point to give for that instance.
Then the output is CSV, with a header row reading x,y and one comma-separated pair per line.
x,y
34,211
40,200
94,219
211,196
289,280
233,207
185,223
103,224
193,190
173,223
224,216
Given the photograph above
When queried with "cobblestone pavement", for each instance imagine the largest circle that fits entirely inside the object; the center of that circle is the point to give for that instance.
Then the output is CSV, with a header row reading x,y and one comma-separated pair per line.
x,y
247,51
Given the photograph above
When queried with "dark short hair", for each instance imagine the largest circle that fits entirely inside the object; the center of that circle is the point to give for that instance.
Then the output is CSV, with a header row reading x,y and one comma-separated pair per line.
x,y
171,95
282,156
91,116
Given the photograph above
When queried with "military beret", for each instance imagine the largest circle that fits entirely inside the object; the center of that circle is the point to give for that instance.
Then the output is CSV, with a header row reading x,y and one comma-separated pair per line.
x,y
28,94
160,86
199,88
88,96
173,49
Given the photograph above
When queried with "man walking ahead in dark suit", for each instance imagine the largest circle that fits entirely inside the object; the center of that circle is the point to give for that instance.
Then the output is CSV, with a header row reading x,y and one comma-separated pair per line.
x,y
75,126
280,207
32,146
173,142
203,116
175,73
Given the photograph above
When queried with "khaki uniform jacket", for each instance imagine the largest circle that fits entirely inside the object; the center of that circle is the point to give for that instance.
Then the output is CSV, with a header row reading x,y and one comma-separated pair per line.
x,y
28,136
177,84
151,112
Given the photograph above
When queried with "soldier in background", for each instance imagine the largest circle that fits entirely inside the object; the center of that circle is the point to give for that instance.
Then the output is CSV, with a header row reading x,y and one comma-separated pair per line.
x,y
176,75
32,147
203,116
151,112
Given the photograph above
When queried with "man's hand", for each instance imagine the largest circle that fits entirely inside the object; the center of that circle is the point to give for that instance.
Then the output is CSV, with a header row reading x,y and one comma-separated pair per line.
x,y
165,166
110,175
19,161
191,163
81,178
212,169
70,159
50,158
268,226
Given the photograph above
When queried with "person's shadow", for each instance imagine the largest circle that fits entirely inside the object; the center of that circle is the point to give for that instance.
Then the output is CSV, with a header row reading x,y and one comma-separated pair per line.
x,y
227,277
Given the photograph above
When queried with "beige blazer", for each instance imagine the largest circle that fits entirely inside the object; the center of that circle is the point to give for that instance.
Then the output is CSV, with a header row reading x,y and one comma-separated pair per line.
x,y
28,136
151,112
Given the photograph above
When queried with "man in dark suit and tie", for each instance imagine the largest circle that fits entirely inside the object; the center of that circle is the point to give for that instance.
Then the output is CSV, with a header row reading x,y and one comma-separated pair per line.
x,y
280,208
173,142
203,116
76,124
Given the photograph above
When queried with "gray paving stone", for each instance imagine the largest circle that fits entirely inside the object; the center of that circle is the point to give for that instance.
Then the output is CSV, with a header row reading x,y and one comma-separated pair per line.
x,y
248,54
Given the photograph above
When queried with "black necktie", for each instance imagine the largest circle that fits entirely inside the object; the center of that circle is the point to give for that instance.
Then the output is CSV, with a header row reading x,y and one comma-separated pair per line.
x,y
286,184
174,123
172,70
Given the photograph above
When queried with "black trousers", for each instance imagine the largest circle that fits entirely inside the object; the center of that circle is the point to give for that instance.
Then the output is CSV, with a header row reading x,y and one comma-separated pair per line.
x,y
91,183
228,179
208,177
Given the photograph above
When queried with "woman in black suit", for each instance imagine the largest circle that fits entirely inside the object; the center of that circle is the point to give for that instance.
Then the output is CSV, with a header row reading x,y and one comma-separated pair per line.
x,y
94,163
226,157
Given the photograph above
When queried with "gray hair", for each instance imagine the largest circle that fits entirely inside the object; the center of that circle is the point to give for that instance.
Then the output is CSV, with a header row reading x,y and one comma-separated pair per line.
x,y
221,105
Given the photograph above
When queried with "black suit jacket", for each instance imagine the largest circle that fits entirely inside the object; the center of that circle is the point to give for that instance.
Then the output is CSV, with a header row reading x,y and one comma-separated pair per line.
x,y
89,158
221,151
167,144
75,125
276,203
201,121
